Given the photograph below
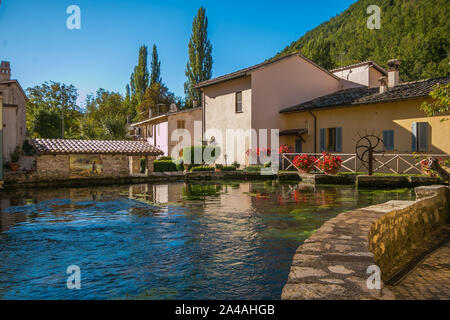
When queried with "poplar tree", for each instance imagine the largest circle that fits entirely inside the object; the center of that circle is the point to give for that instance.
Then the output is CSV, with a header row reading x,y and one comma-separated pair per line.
x,y
140,76
155,76
199,66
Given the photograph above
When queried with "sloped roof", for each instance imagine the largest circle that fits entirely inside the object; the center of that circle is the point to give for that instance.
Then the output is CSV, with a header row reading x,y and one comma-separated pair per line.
x,y
63,146
244,72
360,64
364,95
18,85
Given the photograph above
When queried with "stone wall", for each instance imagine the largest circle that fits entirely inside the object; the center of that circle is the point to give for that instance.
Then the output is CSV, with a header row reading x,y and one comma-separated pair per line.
x,y
115,165
396,235
53,167
333,263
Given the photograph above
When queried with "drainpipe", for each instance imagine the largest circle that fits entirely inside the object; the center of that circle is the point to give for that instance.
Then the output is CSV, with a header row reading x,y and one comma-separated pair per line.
x,y
315,131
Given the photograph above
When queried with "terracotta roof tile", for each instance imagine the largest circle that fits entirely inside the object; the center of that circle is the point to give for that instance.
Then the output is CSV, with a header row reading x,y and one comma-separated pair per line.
x,y
63,146
364,95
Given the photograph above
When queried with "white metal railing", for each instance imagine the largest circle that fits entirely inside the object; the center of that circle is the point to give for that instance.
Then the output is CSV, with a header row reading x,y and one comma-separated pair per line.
x,y
383,163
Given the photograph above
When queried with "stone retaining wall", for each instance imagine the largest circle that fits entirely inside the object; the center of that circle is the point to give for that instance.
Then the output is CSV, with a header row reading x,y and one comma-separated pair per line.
x,y
333,263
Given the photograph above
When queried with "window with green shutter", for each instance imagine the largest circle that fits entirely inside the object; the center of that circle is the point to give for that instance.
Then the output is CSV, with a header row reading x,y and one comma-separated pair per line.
x,y
388,139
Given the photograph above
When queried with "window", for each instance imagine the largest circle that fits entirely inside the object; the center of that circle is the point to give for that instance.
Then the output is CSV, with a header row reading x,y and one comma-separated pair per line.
x,y
150,131
238,102
420,136
331,139
181,124
388,139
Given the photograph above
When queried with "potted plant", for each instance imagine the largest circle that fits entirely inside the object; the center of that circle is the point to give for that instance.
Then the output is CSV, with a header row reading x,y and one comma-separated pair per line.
x,y
15,157
219,167
329,164
304,163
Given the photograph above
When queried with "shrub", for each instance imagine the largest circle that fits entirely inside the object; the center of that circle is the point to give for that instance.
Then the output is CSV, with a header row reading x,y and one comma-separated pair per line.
x,y
164,166
219,166
203,168
305,162
229,168
329,164
166,158
235,164
210,151
253,168
268,164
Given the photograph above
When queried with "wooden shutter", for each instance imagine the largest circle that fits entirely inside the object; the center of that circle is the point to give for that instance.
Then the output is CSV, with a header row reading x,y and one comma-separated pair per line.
x,y
338,139
388,139
322,139
414,136
422,136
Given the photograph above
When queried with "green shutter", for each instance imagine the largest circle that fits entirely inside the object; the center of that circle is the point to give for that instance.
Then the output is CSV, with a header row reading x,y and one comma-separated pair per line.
x,y
422,136
338,139
322,139
414,137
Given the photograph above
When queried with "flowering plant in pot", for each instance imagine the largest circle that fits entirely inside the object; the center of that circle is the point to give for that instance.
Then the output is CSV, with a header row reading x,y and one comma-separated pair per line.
x,y
329,164
304,163
286,149
15,157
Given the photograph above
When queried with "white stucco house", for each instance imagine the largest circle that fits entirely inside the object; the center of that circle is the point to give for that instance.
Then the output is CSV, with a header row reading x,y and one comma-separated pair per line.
x,y
252,98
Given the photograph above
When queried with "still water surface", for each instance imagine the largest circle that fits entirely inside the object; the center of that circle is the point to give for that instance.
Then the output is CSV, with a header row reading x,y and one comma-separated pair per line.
x,y
169,241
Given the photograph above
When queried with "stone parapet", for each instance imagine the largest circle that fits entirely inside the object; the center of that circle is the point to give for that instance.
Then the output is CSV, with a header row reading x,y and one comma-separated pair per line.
x,y
333,263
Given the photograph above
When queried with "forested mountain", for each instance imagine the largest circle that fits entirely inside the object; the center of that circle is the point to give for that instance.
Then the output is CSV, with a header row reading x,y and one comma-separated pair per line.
x,y
415,31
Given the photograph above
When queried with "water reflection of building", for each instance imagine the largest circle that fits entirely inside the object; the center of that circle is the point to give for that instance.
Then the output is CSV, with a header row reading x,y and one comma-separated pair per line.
x,y
7,220
157,193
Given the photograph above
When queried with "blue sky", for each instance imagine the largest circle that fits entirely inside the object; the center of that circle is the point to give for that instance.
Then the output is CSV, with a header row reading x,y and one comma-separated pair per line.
x,y
34,37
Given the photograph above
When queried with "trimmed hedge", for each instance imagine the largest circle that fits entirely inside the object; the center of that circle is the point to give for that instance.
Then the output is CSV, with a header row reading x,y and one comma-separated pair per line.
x,y
253,168
189,154
164,166
203,169
229,168
166,158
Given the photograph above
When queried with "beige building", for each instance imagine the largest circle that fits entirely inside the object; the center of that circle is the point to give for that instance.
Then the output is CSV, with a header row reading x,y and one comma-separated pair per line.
x,y
158,130
319,110
252,98
14,112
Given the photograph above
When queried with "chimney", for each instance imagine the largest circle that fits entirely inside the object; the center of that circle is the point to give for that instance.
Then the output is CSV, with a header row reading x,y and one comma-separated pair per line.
x,y
5,71
383,84
393,74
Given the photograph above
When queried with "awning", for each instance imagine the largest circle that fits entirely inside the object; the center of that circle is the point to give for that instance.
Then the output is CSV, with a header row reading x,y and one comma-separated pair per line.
x,y
293,132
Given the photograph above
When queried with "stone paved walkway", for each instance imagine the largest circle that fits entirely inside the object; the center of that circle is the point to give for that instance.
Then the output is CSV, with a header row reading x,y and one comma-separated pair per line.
x,y
429,280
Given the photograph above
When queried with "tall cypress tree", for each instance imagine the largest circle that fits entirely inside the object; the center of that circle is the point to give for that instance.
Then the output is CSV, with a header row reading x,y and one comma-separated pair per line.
x,y
140,76
155,76
199,66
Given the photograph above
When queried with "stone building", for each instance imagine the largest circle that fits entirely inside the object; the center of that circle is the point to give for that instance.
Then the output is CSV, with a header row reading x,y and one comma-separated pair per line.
x,y
60,159
13,113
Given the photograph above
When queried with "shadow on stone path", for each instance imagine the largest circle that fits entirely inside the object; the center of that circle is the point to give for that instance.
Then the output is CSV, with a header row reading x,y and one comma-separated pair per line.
x,y
429,280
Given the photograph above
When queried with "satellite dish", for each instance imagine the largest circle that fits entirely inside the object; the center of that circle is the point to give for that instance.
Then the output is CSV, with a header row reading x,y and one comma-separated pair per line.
x,y
173,107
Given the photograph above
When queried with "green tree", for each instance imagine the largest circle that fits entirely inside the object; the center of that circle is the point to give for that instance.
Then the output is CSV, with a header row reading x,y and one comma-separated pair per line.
x,y
57,99
140,77
114,128
441,100
199,66
45,123
155,76
415,32
105,112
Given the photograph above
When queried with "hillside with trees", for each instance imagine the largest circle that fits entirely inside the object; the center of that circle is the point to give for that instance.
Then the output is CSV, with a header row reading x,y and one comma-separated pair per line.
x,y
415,31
